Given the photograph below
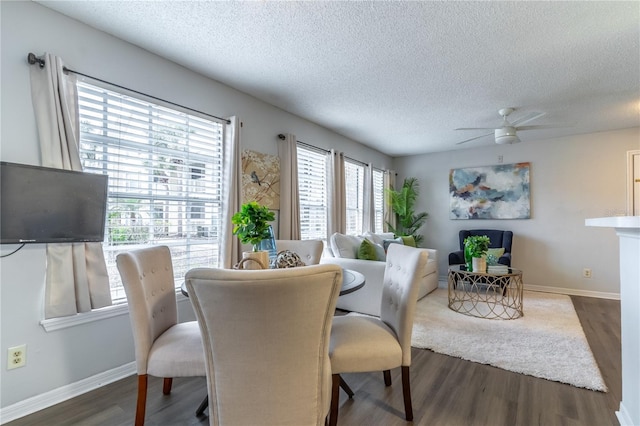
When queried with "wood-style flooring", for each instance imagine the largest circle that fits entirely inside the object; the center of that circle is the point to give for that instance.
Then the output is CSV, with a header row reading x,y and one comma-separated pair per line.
x,y
445,390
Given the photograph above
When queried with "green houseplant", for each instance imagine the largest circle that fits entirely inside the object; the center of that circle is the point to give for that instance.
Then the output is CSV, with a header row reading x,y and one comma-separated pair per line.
x,y
475,246
403,206
251,223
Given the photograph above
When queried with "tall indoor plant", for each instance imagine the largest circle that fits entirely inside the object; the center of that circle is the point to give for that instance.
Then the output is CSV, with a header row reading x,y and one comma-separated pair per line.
x,y
403,206
251,225
475,249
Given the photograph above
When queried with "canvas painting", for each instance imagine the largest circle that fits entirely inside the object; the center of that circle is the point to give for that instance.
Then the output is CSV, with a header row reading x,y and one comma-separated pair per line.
x,y
490,192
261,178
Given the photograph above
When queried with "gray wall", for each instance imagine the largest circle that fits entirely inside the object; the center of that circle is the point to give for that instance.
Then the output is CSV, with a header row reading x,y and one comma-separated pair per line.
x,y
572,179
67,356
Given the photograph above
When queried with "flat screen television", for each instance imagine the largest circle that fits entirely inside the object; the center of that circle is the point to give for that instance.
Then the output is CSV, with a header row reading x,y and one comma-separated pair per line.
x,y
47,205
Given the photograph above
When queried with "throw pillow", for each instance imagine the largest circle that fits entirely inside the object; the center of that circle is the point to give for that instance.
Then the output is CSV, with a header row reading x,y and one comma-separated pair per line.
x,y
378,238
380,254
367,251
497,252
345,246
409,241
386,243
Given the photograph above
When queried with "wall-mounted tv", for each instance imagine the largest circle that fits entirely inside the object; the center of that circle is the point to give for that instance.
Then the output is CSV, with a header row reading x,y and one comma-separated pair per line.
x,y
47,205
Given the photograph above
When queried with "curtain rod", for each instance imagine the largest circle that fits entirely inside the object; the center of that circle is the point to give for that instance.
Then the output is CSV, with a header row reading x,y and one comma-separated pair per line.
x,y
281,136
33,59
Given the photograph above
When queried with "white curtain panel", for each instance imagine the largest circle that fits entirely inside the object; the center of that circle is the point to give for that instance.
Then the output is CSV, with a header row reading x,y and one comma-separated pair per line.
x,y
368,211
289,226
337,195
229,243
76,274
389,183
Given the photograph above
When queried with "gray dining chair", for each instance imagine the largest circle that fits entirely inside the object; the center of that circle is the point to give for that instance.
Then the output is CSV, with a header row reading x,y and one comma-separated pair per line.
x,y
266,340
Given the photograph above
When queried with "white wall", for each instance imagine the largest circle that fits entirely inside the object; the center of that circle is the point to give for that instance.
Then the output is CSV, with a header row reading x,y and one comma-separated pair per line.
x,y
572,179
67,356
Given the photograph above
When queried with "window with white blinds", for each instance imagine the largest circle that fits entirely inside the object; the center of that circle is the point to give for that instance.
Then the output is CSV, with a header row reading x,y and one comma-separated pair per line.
x,y
378,200
354,192
312,187
165,183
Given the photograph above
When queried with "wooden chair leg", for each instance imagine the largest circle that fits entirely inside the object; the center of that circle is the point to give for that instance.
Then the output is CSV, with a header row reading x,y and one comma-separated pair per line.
x,y
387,377
142,399
166,385
335,399
345,387
406,391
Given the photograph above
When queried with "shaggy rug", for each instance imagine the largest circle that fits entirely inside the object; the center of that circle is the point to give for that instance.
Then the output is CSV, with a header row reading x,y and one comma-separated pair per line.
x,y
547,342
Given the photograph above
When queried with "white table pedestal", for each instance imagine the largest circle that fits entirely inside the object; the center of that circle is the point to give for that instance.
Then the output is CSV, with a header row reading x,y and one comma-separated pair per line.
x,y
628,230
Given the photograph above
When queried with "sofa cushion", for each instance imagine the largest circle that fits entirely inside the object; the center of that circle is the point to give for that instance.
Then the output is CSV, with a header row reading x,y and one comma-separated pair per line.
x,y
386,243
409,241
378,238
367,251
345,245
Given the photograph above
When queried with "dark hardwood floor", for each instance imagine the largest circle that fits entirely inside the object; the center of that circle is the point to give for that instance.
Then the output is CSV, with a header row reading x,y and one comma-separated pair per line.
x,y
445,390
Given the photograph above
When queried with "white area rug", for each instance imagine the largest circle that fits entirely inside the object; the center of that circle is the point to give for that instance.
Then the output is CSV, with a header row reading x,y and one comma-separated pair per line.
x,y
547,342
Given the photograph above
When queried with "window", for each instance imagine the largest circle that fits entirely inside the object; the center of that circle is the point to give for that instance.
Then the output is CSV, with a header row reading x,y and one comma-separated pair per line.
x,y
312,188
354,191
165,184
378,201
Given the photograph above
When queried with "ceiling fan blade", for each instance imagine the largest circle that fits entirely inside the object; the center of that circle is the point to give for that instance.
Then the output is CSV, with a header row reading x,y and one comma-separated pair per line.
x,y
475,128
472,139
527,118
543,126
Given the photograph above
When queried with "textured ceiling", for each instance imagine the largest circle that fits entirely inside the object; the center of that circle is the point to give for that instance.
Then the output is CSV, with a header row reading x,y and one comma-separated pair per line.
x,y
401,76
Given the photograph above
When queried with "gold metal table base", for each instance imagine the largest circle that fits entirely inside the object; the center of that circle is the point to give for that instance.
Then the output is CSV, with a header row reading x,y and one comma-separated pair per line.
x,y
486,295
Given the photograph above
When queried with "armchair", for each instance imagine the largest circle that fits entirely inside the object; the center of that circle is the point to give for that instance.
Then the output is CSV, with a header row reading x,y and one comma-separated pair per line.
x,y
499,239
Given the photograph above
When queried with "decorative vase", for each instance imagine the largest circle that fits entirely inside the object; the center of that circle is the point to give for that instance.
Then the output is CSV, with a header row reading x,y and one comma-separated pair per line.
x,y
468,257
255,259
479,264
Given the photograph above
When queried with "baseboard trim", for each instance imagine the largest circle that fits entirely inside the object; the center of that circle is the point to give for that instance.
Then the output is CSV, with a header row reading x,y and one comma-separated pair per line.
x,y
623,416
63,393
442,283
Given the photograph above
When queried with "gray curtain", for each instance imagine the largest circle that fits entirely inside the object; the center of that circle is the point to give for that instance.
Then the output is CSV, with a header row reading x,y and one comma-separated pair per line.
x,y
76,274
289,225
231,160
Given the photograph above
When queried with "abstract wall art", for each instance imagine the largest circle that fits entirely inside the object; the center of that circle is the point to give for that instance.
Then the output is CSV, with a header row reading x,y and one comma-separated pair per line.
x,y
490,192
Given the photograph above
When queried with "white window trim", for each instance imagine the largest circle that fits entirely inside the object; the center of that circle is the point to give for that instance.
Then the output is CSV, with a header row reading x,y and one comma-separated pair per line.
x,y
60,323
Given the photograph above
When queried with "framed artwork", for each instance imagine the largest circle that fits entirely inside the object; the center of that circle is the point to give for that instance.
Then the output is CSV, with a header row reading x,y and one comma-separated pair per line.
x,y
261,179
490,192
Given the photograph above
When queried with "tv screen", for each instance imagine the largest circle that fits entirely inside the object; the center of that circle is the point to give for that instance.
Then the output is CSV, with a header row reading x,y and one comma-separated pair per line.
x,y
46,205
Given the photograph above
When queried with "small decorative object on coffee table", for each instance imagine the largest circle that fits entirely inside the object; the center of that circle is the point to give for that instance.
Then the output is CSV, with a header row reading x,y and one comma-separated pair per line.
x,y
475,250
496,294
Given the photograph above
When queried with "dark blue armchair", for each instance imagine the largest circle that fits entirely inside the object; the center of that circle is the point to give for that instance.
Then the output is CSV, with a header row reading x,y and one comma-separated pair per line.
x,y
498,238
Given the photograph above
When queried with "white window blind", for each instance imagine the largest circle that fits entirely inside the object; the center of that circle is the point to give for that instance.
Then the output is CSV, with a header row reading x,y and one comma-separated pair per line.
x,y
312,187
354,187
164,169
378,200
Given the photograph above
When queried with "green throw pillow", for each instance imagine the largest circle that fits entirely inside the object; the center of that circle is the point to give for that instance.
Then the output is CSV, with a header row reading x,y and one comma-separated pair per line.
x,y
497,252
409,241
367,251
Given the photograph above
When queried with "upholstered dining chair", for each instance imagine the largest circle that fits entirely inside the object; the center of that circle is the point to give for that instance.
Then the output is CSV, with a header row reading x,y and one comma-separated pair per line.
x,y
164,348
266,340
309,251
363,343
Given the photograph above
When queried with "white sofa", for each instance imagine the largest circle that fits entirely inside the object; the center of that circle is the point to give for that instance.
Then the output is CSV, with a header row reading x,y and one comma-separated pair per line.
x,y
342,250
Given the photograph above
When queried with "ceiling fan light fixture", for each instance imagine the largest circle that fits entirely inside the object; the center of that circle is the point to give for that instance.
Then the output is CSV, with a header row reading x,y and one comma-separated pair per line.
x,y
506,135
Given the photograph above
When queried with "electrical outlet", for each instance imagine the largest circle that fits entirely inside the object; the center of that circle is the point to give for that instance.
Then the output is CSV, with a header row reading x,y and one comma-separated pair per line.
x,y
500,158
17,357
586,272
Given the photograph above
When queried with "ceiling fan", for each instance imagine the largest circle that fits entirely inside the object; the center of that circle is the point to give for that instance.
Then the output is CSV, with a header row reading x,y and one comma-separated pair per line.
x,y
507,134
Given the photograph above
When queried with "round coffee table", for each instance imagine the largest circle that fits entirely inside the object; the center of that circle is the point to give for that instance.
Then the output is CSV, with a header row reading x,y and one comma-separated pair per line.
x,y
351,281
494,295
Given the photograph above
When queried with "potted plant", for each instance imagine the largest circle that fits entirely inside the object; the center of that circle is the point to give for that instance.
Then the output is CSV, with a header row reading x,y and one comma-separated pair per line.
x,y
403,205
251,225
475,248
